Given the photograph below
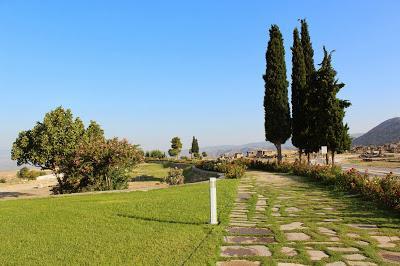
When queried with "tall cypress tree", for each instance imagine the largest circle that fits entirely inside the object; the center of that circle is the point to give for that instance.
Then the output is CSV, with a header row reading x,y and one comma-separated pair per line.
x,y
299,94
331,129
276,104
195,147
311,140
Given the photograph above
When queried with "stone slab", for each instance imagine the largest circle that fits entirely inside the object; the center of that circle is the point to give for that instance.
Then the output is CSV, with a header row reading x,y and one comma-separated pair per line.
x,y
292,226
248,240
297,236
354,257
390,256
317,255
249,231
238,263
245,251
343,249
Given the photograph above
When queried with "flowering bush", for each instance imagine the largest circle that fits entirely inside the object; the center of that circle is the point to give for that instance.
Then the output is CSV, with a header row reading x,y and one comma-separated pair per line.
x,y
175,176
234,169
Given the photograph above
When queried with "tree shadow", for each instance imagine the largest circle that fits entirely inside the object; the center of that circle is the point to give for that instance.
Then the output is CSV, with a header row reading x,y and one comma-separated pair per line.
x,y
146,178
159,220
13,194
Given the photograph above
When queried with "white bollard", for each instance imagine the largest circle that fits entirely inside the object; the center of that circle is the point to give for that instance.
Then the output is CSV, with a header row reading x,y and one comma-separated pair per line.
x,y
213,201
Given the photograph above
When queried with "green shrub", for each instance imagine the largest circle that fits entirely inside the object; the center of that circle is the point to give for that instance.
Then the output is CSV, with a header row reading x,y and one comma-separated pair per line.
x,y
2,180
98,164
25,173
175,176
233,169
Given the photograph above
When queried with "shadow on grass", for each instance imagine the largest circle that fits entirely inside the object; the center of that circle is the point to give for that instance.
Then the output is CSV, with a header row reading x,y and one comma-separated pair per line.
x,y
146,178
158,220
13,194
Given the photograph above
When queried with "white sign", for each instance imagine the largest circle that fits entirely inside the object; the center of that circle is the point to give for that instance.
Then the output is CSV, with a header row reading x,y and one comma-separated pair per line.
x,y
324,149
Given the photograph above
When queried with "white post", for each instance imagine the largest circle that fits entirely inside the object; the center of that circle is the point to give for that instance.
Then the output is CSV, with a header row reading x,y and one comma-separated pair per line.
x,y
213,201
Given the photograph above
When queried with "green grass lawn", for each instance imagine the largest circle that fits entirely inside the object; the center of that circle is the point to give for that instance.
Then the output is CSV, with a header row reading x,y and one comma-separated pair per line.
x,y
160,227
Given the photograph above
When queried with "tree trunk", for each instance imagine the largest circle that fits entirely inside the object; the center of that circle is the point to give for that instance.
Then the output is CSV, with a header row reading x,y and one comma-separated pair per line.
x,y
327,158
333,158
279,151
300,153
308,158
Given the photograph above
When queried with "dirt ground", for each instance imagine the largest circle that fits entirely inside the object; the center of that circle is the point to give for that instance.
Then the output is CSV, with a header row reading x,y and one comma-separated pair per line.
x,y
42,188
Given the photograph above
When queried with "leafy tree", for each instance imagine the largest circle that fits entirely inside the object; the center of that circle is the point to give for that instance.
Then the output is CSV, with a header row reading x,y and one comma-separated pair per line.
x,y
176,147
299,94
81,159
330,125
156,154
276,105
94,131
204,154
50,142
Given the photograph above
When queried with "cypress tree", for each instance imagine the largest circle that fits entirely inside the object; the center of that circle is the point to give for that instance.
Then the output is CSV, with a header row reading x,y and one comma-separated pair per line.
x,y
311,137
276,104
299,104
331,130
195,147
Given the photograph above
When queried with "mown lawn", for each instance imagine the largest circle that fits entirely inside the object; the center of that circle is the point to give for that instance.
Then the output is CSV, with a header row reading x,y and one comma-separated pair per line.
x,y
161,227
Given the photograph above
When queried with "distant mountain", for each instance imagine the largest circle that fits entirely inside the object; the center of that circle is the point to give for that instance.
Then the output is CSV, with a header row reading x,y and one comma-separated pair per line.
x,y
386,132
356,135
215,151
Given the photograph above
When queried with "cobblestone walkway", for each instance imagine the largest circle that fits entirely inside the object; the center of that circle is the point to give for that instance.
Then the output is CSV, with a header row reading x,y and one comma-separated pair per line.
x,y
282,220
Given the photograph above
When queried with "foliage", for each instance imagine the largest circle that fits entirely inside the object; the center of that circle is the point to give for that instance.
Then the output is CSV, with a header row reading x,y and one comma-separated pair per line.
x,y
299,94
204,154
25,173
82,159
233,169
331,130
157,154
175,176
98,164
383,190
176,147
276,104
311,143
50,142
3,180
195,148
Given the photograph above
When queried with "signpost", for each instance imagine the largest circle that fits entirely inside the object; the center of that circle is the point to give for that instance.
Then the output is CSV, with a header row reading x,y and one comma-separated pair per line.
x,y
213,201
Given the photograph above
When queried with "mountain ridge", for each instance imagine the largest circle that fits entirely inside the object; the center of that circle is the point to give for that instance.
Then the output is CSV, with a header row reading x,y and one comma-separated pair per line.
x,y
386,132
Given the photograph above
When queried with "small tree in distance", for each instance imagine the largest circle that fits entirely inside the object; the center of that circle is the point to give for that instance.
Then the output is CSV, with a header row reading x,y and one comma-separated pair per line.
x,y
176,147
195,148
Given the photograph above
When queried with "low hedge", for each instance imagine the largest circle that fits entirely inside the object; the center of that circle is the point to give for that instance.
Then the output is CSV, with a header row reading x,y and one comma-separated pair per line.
x,y
384,190
232,170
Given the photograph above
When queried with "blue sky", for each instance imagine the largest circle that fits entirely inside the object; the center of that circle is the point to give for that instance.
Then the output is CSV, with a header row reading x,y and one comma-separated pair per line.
x,y
151,70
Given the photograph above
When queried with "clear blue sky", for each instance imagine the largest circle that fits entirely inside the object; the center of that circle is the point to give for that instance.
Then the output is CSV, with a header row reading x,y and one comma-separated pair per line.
x,y
152,70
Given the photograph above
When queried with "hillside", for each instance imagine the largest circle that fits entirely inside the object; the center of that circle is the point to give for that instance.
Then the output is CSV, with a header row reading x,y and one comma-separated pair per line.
x,y
386,132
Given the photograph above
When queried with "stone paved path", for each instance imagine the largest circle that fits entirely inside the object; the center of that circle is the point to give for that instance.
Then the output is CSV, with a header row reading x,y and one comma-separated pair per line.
x,y
283,220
